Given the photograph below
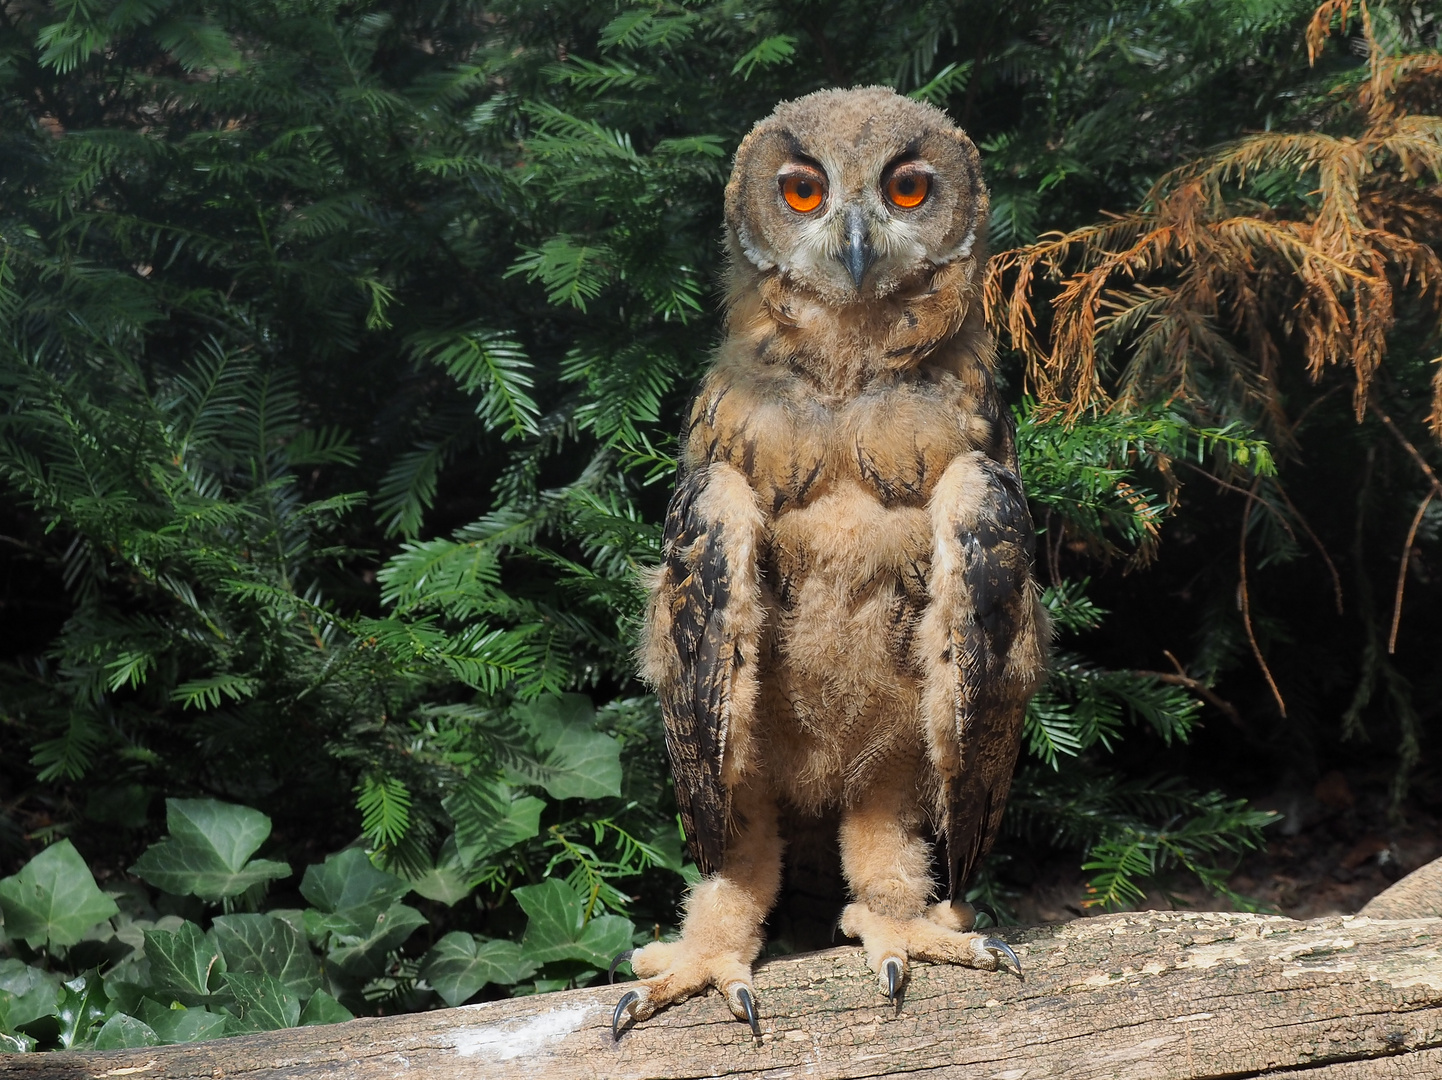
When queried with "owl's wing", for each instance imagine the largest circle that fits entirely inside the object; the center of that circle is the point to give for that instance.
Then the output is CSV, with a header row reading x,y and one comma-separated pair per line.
x,y
985,606
703,629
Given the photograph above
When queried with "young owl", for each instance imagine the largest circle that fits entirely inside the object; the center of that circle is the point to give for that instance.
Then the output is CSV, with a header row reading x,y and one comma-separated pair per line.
x,y
844,621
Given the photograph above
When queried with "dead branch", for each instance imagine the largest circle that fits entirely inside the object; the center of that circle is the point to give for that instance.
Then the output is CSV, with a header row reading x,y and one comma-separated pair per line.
x,y
1402,572
1117,997
1244,601
1201,689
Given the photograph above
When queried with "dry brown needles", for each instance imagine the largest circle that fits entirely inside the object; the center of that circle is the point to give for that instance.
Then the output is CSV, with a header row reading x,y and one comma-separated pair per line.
x,y
1197,296
1280,248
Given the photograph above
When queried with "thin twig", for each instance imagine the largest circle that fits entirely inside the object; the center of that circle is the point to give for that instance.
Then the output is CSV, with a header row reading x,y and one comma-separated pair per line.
x,y
1416,454
1201,689
1402,573
1336,577
1245,603
1281,520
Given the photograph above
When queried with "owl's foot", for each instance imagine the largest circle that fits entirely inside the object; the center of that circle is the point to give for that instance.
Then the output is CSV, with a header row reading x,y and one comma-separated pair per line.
x,y
670,971
942,936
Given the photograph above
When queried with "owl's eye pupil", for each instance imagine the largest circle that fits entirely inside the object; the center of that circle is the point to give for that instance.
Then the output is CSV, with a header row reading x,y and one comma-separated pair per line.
x,y
908,189
803,193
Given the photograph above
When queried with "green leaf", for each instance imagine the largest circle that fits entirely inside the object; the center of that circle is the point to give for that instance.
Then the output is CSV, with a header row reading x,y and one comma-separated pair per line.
x,y
27,994
16,1044
558,929
460,964
446,879
206,693
361,916
82,1005
263,945
123,1032
179,1024
206,852
490,817
492,365
949,80
576,761
53,899
183,963
572,273
769,52
324,1009
385,806
261,1003
363,955
348,881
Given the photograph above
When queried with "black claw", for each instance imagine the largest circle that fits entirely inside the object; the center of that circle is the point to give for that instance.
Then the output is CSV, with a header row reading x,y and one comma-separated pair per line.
x,y
629,998
621,958
892,967
743,995
987,910
996,945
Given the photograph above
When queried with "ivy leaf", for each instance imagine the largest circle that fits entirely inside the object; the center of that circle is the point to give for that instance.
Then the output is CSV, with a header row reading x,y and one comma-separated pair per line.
x,y
53,899
460,964
349,882
363,955
182,1025
324,1009
27,994
123,1032
446,879
490,817
183,963
16,1044
263,945
207,851
559,930
576,761
261,1003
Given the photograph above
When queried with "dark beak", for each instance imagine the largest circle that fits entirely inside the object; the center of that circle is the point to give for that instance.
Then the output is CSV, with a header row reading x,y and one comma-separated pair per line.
x,y
858,255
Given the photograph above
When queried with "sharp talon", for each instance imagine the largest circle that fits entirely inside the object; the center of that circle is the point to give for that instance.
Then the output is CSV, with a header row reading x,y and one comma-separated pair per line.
x,y
743,995
988,911
892,970
621,958
629,998
1001,948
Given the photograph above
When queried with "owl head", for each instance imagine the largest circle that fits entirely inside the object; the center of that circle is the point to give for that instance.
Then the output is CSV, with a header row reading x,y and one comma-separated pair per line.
x,y
854,194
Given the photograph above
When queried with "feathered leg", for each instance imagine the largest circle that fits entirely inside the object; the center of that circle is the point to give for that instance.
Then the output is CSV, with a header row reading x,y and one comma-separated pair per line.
x,y
721,933
887,866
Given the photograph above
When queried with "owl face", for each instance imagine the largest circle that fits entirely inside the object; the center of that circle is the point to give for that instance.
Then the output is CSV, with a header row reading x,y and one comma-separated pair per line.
x,y
855,194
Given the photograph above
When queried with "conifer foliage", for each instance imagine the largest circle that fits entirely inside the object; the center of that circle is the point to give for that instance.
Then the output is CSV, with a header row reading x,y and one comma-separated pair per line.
x,y
341,352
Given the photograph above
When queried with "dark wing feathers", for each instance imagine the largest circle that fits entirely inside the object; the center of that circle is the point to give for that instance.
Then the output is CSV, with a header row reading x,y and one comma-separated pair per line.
x,y
694,705
996,551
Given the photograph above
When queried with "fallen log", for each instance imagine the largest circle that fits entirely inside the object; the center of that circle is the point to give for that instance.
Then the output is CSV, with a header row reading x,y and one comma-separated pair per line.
x,y
1141,995
1416,896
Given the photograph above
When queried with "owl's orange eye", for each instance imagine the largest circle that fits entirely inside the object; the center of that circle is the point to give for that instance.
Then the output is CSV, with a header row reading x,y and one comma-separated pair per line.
x,y
803,192
908,189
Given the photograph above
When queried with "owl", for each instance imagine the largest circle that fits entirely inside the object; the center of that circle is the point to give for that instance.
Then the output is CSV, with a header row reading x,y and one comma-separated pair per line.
x,y
844,623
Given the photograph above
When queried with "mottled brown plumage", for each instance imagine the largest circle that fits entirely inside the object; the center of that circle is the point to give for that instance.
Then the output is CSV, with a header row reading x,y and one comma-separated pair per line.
x,y
844,620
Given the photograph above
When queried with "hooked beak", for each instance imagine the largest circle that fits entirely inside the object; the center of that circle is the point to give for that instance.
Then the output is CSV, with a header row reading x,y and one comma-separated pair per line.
x,y
858,255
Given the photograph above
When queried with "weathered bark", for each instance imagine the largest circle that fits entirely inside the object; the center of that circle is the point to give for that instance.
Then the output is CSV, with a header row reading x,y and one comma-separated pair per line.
x,y
1416,896
1145,995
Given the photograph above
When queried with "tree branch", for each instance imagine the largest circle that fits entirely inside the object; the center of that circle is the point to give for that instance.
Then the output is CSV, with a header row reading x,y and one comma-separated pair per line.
x,y
1183,995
